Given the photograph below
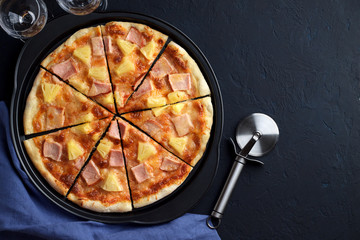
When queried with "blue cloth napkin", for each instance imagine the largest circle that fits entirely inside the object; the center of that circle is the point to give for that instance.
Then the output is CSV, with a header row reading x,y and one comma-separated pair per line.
x,y
27,214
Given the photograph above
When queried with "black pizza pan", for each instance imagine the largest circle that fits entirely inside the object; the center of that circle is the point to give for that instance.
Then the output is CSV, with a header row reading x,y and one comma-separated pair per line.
x,y
56,32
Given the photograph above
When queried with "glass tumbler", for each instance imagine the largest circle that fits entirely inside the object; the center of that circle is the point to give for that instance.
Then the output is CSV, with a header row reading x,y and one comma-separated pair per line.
x,y
22,18
82,7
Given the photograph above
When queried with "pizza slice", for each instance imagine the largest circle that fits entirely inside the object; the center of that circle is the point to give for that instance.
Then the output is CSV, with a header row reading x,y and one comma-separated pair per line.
x,y
103,185
153,172
175,77
81,62
182,128
59,156
53,104
130,49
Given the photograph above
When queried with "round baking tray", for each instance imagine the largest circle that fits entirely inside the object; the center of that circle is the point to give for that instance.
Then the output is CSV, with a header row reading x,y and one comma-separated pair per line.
x,y
56,32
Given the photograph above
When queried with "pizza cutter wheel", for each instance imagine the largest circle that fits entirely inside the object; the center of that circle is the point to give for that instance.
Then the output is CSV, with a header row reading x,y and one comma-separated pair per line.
x,y
256,135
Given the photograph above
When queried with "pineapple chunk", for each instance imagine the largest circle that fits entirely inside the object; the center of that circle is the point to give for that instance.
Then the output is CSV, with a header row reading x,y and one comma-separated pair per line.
x,y
145,150
99,73
108,99
83,54
178,143
149,50
158,111
176,108
104,147
177,96
79,84
156,102
112,183
96,136
125,46
74,149
82,129
126,66
87,117
50,91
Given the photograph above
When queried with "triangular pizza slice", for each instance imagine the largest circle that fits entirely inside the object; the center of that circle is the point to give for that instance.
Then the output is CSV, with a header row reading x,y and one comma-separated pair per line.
x,y
175,77
182,128
102,185
153,172
81,62
53,104
130,49
59,156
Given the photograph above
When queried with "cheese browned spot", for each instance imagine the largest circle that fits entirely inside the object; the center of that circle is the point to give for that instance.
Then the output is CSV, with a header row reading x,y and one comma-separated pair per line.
x,y
52,150
65,69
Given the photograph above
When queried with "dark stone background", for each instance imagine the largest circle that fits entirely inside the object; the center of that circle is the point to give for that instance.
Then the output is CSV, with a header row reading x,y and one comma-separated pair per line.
x,y
297,61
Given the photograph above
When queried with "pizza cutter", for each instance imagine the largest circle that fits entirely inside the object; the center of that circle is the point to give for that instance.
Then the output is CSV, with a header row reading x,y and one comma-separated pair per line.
x,y
256,135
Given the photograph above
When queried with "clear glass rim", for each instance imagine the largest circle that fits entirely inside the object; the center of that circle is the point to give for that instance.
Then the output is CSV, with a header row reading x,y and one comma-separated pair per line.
x,y
41,6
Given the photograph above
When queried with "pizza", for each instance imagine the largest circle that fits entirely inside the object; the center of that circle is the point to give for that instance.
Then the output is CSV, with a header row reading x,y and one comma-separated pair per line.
x,y
59,156
103,184
81,61
182,128
53,104
130,48
117,118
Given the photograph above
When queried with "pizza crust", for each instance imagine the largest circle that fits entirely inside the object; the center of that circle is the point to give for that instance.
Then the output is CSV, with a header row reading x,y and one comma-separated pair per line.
x,y
32,105
36,158
157,196
209,112
49,60
98,206
199,80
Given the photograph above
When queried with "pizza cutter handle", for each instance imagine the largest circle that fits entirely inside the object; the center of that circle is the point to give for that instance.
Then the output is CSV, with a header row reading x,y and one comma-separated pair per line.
x,y
214,219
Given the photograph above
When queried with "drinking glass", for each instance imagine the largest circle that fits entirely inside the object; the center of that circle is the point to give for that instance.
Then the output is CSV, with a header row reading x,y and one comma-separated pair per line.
x,y
22,18
82,7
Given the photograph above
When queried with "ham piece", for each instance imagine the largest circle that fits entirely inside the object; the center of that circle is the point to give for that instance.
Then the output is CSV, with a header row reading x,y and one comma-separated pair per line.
x,y
108,46
152,127
52,150
98,88
55,117
145,87
79,163
180,81
65,69
161,68
123,128
169,164
114,130
140,173
136,37
182,124
116,158
97,46
91,173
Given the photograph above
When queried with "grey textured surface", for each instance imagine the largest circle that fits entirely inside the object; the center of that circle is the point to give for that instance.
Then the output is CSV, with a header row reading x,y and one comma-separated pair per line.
x,y
297,61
